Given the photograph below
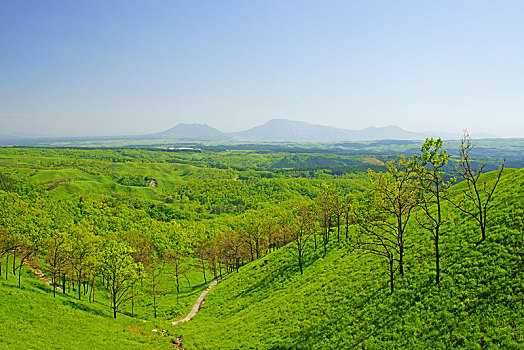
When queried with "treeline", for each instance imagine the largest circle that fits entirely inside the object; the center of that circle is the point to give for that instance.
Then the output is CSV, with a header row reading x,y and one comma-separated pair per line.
x,y
83,245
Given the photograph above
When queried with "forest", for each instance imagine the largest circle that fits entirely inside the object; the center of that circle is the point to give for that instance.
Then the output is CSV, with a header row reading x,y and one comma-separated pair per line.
x,y
319,249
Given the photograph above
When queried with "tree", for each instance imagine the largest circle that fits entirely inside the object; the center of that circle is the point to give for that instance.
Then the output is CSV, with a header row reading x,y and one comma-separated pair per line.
x,y
430,162
253,231
477,191
83,246
230,246
56,254
155,270
175,258
120,271
325,212
13,210
373,237
347,209
384,211
31,235
396,196
301,229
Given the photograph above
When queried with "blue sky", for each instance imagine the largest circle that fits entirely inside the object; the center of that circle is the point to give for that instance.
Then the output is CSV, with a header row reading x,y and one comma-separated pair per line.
x,y
129,67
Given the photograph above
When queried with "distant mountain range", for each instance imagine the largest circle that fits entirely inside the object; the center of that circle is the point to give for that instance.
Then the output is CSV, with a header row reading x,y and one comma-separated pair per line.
x,y
284,130
275,130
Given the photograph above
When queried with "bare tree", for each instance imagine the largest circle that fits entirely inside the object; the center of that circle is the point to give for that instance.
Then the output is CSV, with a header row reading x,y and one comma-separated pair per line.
x,y
478,191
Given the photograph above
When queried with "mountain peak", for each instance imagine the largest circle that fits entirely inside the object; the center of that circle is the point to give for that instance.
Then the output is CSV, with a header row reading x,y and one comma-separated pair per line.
x,y
194,132
285,130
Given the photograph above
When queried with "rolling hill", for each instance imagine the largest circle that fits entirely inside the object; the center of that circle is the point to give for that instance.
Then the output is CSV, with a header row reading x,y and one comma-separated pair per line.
x,y
342,301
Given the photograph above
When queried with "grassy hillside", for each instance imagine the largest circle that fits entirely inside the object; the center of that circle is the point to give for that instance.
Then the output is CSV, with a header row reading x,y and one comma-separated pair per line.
x,y
342,300
32,319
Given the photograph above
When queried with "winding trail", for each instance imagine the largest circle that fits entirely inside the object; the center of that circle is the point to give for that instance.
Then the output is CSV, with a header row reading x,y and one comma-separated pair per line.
x,y
199,302
40,275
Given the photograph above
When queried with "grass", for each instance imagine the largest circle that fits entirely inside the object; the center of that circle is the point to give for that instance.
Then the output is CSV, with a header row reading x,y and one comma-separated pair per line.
x,y
342,301
32,319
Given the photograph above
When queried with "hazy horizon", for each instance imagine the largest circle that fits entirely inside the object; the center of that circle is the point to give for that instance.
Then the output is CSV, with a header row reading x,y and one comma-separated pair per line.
x,y
120,68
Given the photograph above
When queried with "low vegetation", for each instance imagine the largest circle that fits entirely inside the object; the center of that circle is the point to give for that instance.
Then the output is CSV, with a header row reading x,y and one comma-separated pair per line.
x,y
320,251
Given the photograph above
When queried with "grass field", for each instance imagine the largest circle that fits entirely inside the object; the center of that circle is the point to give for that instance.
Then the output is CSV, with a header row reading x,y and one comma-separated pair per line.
x,y
342,301
32,319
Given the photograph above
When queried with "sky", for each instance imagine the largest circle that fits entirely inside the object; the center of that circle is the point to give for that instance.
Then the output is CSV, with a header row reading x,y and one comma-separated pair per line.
x,y
92,68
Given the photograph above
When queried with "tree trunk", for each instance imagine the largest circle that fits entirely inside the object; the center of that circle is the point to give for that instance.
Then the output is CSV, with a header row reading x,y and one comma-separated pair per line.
x,y
113,290
20,270
154,289
64,282
347,229
300,262
437,258
400,246
79,286
133,301
391,274
93,288
204,270
338,228
401,259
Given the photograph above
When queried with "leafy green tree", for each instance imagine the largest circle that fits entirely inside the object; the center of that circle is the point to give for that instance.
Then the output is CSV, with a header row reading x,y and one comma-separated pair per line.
x,y
13,209
376,231
347,210
384,210
429,163
56,247
83,247
325,212
120,271
302,228
396,196
176,258
155,271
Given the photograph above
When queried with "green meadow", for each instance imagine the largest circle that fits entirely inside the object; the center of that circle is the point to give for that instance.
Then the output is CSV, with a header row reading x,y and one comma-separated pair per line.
x,y
310,248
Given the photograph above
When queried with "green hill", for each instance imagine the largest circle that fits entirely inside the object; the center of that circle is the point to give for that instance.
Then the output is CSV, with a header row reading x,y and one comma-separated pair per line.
x,y
342,300
205,215
32,319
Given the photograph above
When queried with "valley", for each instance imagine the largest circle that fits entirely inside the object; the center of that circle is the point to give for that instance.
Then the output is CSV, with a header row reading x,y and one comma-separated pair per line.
x,y
299,231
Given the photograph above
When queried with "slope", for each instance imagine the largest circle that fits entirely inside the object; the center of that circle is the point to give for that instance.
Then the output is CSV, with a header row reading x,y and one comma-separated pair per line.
x,y
342,300
32,319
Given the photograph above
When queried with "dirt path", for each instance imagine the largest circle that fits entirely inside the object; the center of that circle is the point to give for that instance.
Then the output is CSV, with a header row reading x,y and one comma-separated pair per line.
x,y
199,302
41,275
